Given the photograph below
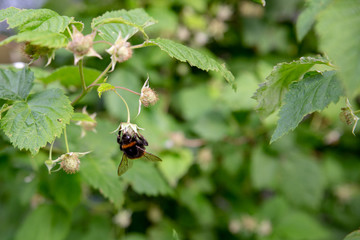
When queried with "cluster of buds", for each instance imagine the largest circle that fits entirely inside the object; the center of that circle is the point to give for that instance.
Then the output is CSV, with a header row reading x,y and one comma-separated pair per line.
x,y
82,45
120,51
69,162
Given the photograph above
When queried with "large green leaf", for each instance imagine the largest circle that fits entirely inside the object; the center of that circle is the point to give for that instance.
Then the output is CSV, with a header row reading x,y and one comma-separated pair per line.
x,y
314,93
338,27
193,57
45,222
300,226
70,76
43,39
101,174
35,20
270,94
353,236
123,23
307,17
175,164
301,181
8,12
31,124
264,170
66,190
15,85
146,179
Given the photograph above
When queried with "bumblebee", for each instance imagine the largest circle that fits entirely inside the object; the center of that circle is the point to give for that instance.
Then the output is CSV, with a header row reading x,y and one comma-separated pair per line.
x,y
133,146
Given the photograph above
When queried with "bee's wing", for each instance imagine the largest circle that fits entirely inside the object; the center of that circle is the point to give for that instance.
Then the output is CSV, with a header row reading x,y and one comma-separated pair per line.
x,y
151,157
124,165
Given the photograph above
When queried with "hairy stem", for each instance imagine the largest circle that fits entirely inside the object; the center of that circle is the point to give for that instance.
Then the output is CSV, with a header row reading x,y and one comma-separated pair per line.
x,y
127,107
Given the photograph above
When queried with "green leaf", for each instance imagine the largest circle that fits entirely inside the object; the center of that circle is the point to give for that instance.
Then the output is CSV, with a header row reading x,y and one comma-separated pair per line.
x,y
70,76
146,179
82,117
307,17
175,165
299,226
270,94
193,57
123,23
338,27
55,24
314,93
35,20
45,222
104,87
66,190
28,19
264,170
8,12
301,181
102,175
353,236
43,39
31,124
15,85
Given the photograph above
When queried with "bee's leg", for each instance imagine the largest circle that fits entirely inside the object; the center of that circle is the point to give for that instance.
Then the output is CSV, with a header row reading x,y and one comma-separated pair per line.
x,y
141,140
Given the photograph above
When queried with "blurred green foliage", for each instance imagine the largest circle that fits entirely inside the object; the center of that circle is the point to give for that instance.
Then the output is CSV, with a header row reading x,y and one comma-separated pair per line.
x,y
220,178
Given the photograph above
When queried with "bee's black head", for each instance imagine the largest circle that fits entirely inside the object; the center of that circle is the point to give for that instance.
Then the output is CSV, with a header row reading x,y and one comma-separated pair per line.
x,y
126,137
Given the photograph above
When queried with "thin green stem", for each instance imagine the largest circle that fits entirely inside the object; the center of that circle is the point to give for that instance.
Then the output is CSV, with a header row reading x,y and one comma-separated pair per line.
x,y
144,44
66,141
102,74
127,107
357,111
51,149
81,71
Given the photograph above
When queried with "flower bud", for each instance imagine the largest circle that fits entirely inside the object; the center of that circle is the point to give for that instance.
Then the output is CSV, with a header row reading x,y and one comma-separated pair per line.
x,y
82,45
148,97
120,51
70,162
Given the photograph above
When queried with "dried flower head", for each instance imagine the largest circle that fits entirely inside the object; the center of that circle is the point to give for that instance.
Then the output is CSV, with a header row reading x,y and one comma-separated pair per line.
x,y
70,162
148,96
120,51
82,45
